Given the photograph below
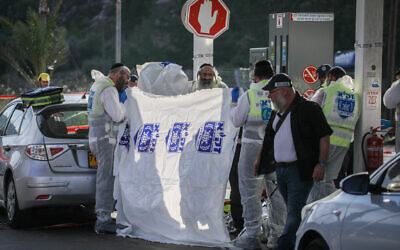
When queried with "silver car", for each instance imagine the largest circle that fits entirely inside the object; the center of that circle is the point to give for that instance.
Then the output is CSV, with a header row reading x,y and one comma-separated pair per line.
x,y
44,158
364,214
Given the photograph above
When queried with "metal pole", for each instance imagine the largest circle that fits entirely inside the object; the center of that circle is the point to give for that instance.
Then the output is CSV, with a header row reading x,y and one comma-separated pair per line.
x,y
43,12
118,33
368,71
202,53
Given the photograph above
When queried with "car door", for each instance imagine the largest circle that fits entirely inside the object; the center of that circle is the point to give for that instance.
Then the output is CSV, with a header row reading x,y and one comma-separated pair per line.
x,y
372,221
4,119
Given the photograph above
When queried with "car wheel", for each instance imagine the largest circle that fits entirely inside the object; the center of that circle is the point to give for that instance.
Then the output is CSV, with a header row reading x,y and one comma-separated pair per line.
x,y
14,214
317,244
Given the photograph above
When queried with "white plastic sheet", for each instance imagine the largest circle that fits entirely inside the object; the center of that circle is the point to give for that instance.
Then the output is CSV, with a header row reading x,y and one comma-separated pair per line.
x,y
166,79
172,165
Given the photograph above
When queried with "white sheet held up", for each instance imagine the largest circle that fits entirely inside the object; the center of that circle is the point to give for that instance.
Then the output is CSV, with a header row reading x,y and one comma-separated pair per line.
x,y
172,165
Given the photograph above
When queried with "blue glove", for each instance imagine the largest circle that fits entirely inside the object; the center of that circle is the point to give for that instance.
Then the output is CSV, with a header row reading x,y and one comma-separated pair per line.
x,y
235,94
385,124
122,96
165,64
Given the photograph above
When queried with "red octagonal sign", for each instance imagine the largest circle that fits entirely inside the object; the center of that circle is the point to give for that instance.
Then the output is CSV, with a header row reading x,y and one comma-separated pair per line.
x,y
208,18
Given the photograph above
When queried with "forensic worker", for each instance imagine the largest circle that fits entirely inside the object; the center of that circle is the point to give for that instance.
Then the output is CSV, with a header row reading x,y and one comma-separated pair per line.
x,y
104,113
296,143
207,78
340,105
391,100
321,72
133,81
252,111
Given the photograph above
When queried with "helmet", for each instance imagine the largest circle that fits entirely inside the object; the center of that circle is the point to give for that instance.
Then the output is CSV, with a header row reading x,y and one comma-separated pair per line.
x,y
44,77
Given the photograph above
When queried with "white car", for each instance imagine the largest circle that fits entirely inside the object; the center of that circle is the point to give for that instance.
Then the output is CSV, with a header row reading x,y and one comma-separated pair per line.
x,y
364,214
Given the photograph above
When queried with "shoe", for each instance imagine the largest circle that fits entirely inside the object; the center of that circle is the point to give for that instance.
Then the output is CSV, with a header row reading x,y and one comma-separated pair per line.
x,y
247,242
105,227
263,238
104,223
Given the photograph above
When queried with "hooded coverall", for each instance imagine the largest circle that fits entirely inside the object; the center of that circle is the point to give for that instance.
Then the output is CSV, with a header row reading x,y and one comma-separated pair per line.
x,y
104,111
391,100
340,105
253,111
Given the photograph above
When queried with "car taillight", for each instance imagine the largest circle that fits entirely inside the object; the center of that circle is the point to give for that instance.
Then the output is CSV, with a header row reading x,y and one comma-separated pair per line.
x,y
38,152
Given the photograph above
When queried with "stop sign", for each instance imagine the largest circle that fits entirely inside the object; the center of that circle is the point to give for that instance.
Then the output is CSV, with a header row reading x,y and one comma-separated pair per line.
x,y
207,18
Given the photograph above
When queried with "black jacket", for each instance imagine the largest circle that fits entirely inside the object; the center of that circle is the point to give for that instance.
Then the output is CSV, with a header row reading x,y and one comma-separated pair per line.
x,y
309,125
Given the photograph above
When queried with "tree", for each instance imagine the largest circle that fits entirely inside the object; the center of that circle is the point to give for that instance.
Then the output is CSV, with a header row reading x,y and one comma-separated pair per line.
x,y
33,48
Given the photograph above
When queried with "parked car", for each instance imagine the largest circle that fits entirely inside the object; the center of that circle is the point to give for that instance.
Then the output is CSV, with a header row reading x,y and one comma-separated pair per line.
x,y
363,214
44,157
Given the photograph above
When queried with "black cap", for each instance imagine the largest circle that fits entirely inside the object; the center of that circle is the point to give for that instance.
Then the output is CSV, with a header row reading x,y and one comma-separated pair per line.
x,y
278,80
322,70
397,73
116,65
133,78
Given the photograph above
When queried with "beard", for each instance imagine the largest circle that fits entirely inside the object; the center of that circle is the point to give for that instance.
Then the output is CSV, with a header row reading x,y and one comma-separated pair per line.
x,y
120,84
206,81
279,103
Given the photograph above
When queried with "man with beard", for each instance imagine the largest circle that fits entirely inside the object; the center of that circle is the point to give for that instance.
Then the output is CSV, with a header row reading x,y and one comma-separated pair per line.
x,y
252,111
296,145
104,112
207,78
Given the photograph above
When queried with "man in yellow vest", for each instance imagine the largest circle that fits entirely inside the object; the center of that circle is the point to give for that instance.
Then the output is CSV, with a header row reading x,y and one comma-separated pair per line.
x,y
252,111
104,113
341,107
207,78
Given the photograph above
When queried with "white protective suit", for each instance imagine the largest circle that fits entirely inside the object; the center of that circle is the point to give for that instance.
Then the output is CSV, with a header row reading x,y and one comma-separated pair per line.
x,y
391,100
104,112
249,185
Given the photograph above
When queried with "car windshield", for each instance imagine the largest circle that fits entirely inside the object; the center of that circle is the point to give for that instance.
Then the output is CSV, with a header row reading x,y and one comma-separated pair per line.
x,y
65,121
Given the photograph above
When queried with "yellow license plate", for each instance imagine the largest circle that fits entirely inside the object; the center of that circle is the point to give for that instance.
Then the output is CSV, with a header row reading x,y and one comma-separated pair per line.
x,y
92,161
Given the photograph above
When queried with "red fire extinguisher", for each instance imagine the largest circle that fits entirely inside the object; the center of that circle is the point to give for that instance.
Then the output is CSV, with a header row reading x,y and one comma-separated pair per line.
x,y
374,151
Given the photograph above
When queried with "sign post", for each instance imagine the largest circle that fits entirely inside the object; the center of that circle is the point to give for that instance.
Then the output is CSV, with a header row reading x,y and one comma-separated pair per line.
x,y
206,19
368,71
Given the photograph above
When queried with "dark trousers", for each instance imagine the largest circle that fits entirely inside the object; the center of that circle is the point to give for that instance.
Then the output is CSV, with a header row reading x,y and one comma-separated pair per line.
x,y
236,205
295,193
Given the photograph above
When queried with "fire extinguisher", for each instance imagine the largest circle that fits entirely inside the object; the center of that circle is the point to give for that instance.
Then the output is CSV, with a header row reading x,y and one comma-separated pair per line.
x,y
374,150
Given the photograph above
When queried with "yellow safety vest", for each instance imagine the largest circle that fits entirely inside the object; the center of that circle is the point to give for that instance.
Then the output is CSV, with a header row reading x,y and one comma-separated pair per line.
x,y
341,109
259,113
96,116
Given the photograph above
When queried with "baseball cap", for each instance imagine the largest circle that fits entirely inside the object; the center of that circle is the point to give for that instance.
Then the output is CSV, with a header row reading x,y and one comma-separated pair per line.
x,y
44,77
278,80
133,78
322,70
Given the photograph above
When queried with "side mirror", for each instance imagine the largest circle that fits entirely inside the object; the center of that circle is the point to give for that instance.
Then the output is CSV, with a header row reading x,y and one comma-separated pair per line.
x,y
356,184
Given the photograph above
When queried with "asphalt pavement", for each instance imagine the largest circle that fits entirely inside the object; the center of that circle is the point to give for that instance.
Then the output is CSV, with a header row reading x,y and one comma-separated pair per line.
x,y
65,229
